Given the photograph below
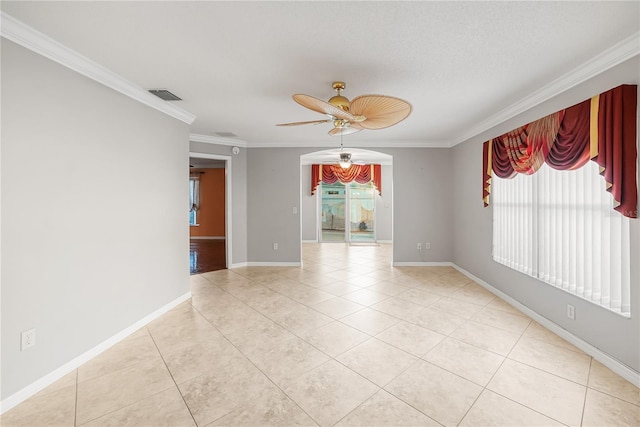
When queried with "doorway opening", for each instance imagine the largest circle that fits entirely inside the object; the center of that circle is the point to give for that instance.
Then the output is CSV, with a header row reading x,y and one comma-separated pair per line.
x,y
209,212
356,214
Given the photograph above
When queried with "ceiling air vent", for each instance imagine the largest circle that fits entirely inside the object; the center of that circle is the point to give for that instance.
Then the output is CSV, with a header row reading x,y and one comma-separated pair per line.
x,y
226,134
164,94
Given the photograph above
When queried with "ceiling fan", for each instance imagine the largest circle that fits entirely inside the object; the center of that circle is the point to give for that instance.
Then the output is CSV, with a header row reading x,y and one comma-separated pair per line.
x,y
345,158
363,112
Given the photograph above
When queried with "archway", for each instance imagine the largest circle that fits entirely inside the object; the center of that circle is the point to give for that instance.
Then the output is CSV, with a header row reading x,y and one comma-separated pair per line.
x,y
311,206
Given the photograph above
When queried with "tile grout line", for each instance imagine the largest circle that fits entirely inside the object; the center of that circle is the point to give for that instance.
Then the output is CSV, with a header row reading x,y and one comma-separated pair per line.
x,y
254,365
508,398
485,306
75,412
586,391
171,375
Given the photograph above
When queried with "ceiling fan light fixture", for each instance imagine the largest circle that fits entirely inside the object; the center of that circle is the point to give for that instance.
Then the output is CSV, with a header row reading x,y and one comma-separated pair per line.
x,y
339,123
345,160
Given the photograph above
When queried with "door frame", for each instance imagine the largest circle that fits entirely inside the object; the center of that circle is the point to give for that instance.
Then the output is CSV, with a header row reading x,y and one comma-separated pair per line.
x,y
228,241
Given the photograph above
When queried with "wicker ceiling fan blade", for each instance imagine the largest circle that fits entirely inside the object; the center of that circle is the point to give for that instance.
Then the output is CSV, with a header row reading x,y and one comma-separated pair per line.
x,y
380,111
321,106
344,131
312,122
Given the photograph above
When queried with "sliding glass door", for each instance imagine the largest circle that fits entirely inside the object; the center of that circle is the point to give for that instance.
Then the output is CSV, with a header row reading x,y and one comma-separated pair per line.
x,y
347,212
362,202
333,212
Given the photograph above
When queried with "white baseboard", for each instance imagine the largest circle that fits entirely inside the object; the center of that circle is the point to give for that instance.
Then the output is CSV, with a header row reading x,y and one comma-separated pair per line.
x,y
63,370
310,241
273,264
238,265
206,237
615,365
265,264
423,264
385,241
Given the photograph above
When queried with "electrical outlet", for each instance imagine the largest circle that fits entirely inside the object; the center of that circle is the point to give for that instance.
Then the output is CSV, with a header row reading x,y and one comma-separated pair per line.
x,y
571,312
427,245
275,246
419,246
27,339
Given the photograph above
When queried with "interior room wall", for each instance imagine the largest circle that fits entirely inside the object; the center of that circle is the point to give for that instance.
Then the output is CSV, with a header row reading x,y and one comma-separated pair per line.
x,y
309,207
615,335
273,191
82,166
421,203
238,195
384,206
210,216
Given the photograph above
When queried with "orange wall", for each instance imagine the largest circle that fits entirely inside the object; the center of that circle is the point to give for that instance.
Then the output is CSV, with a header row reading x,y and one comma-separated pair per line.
x,y
212,199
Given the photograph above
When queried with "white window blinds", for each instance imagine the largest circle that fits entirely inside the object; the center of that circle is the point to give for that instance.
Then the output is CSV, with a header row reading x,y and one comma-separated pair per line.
x,y
560,227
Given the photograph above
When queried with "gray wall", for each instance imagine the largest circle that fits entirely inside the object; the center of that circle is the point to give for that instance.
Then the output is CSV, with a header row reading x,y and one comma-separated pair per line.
x,y
94,227
421,196
613,334
309,206
238,195
273,190
384,203
422,202
384,206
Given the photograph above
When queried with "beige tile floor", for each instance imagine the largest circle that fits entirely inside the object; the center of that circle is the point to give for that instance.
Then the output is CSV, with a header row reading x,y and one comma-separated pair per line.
x,y
346,340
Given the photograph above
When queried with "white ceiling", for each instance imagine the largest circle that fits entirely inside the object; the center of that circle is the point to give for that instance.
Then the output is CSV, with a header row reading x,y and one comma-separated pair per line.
x,y
236,64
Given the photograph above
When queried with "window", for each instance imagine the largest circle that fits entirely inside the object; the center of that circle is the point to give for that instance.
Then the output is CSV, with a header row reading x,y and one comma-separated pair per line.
x,y
560,227
194,199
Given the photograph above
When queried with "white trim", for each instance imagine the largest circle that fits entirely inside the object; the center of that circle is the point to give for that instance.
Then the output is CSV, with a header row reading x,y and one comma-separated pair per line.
x,y
207,139
616,54
63,370
206,237
228,217
423,264
385,241
237,265
29,38
267,264
354,144
310,241
616,366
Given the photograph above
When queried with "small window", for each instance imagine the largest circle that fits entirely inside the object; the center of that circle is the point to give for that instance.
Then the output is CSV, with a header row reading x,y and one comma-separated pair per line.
x,y
194,200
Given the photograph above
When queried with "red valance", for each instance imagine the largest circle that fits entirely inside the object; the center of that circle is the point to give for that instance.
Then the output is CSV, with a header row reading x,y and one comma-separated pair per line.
x,y
330,174
602,129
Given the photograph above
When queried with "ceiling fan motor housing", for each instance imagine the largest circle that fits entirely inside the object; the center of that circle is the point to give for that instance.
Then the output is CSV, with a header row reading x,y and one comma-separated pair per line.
x,y
339,100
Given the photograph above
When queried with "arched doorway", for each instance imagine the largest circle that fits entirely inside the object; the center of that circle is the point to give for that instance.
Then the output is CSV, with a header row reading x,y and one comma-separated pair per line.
x,y
352,213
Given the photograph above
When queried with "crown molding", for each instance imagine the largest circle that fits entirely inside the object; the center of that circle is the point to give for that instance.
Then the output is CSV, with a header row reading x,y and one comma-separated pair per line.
x,y
352,144
207,139
618,53
29,38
